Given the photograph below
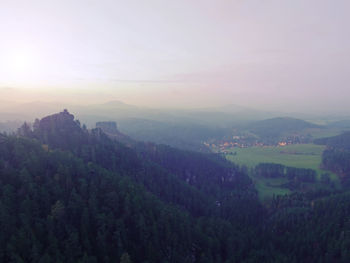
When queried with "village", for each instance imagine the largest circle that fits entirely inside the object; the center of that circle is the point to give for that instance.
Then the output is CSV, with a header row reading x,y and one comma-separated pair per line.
x,y
225,145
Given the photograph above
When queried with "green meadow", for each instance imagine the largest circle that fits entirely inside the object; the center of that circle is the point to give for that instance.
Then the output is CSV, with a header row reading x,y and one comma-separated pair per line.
x,y
296,155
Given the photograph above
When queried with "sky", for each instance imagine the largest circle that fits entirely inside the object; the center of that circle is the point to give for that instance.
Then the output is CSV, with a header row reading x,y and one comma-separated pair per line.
x,y
272,54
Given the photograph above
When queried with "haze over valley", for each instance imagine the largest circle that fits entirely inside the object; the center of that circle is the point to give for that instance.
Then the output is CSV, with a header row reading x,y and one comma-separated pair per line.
x,y
174,131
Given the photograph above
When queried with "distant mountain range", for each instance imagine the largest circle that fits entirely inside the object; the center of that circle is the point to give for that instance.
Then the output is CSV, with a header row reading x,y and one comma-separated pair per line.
x,y
115,110
182,128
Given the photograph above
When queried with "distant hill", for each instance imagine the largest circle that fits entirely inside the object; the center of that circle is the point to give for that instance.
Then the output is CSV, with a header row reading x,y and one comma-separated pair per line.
x,y
117,103
277,127
341,141
344,124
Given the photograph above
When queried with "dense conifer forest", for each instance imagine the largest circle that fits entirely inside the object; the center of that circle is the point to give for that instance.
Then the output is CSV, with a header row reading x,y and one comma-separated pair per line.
x,y
69,194
337,156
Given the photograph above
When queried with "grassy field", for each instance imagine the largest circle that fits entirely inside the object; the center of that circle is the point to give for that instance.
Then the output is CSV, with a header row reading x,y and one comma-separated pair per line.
x,y
267,187
297,155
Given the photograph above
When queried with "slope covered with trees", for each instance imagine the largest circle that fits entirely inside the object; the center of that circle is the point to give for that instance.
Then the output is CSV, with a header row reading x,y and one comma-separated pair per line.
x,y
285,128
68,194
130,195
336,157
183,135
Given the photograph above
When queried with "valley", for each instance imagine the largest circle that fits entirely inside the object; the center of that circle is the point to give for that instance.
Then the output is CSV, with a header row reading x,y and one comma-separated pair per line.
x,y
307,156
146,196
174,131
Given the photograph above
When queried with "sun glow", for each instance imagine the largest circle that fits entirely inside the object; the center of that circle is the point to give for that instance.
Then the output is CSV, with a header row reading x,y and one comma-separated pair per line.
x,y
21,66
21,62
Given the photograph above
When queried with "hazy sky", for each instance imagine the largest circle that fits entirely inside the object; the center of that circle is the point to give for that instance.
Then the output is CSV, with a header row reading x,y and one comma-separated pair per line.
x,y
183,52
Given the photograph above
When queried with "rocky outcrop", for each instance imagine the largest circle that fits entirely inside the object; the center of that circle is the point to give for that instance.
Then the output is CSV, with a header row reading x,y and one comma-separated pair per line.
x,y
63,119
60,130
110,129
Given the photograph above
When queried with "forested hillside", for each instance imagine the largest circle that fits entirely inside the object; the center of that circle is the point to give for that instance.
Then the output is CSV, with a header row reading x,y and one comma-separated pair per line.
x,y
182,135
69,194
337,155
270,130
